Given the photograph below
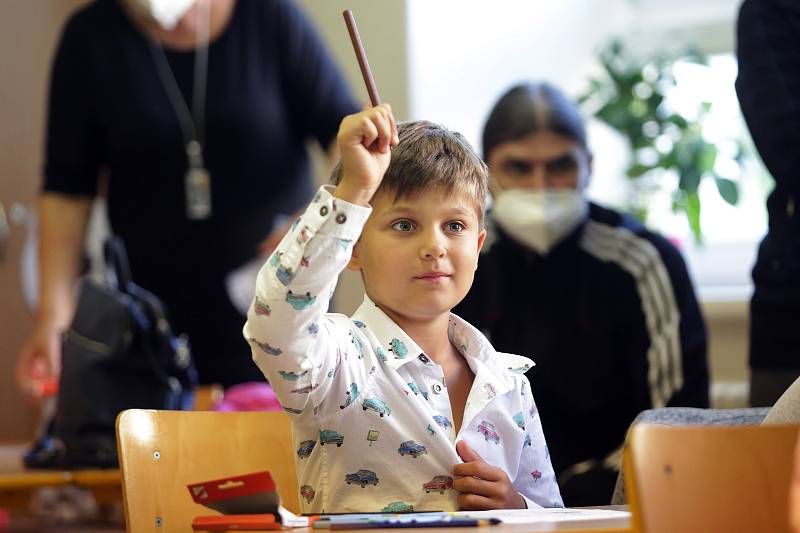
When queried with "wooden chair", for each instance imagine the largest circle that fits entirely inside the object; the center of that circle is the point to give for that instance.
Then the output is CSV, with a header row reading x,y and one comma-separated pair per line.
x,y
161,452
709,479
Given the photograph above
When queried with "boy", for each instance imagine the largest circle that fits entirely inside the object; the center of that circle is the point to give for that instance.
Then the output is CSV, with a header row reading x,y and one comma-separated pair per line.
x,y
388,404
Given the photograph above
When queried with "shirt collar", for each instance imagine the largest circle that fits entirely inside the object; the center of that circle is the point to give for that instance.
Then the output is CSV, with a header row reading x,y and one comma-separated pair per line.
x,y
479,352
496,368
395,345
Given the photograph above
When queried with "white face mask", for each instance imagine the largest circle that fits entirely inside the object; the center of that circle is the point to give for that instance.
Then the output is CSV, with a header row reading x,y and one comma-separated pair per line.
x,y
539,218
166,12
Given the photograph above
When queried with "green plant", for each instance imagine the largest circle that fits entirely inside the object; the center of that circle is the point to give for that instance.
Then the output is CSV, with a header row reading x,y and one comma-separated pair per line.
x,y
631,97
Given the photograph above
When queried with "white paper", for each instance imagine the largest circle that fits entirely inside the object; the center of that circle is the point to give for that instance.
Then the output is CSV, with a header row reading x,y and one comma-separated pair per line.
x,y
289,519
241,284
551,515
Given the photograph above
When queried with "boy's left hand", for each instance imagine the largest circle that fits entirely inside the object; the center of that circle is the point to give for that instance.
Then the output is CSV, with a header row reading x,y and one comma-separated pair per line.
x,y
483,486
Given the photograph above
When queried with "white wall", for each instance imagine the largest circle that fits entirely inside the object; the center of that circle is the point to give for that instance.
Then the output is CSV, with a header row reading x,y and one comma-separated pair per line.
x,y
382,26
463,54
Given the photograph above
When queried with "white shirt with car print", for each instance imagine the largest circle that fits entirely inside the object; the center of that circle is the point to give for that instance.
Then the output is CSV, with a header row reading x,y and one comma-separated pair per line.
x,y
371,413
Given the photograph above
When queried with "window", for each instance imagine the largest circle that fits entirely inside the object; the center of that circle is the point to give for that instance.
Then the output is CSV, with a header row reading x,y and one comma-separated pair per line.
x,y
721,267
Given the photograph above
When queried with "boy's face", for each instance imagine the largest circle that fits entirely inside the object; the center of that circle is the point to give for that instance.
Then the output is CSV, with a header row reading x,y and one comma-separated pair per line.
x,y
418,255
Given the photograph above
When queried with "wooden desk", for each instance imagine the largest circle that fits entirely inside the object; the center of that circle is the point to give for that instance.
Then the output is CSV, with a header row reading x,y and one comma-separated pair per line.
x,y
17,483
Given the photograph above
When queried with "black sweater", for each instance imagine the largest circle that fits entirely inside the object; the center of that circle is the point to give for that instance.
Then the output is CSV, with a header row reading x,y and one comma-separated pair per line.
x,y
768,86
271,87
610,319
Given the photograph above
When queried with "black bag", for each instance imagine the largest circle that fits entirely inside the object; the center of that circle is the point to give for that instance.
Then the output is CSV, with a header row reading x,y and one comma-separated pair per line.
x,y
118,353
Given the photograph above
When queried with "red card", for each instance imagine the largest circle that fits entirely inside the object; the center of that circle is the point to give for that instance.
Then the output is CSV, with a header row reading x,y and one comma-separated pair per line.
x,y
248,494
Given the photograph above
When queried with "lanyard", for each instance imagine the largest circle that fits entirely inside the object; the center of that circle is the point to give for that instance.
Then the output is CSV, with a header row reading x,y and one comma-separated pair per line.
x,y
197,180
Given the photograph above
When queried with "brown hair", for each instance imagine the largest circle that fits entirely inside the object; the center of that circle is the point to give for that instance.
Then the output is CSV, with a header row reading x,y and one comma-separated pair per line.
x,y
430,157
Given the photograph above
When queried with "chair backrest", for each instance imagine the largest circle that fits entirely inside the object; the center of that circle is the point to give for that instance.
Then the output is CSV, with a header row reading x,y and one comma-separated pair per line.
x,y
709,479
161,452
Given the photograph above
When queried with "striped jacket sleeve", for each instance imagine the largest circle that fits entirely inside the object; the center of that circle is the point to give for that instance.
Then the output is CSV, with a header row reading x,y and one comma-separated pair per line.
x,y
675,358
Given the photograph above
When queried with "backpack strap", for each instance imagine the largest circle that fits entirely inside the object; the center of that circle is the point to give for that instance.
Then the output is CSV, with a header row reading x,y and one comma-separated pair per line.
x,y
118,270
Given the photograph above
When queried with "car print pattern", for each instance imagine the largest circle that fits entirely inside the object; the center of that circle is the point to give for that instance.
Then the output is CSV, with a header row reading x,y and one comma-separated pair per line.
x,y
307,492
442,421
329,436
398,507
261,308
275,260
412,448
357,343
374,404
519,418
398,348
266,348
305,449
350,396
438,484
284,274
291,376
363,478
489,432
306,389
300,301
417,391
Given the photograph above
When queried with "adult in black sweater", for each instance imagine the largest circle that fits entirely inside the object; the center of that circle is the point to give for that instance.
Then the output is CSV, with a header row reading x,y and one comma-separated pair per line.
x,y
120,81
604,307
768,86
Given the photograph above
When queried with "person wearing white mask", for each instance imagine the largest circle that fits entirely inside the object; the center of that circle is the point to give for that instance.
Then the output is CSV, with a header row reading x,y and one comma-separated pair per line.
x,y
604,307
197,112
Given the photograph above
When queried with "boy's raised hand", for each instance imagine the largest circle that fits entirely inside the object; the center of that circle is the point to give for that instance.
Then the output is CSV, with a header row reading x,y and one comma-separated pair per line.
x,y
483,486
364,147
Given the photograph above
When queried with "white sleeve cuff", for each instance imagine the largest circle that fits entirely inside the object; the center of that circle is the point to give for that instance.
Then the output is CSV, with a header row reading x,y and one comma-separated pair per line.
x,y
530,503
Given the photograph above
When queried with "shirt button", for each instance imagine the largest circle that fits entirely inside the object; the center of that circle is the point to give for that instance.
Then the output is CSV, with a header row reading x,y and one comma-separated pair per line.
x,y
323,210
437,389
341,218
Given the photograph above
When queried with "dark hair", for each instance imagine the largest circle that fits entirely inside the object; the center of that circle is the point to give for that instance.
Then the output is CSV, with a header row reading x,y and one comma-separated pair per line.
x,y
530,108
430,156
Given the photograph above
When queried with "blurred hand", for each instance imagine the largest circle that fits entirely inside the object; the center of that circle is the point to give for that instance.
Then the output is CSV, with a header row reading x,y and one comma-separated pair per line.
x,y
271,241
483,486
39,360
364,141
